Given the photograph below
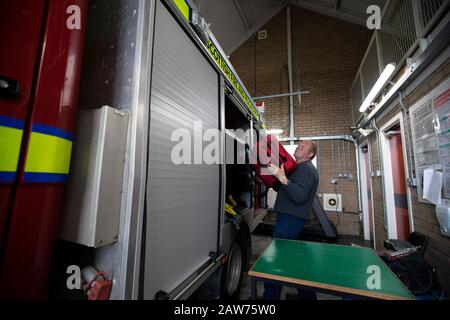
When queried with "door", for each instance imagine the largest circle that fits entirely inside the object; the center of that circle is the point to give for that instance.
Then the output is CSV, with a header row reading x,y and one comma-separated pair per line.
x,y
41,58
399,183
20,20
182,200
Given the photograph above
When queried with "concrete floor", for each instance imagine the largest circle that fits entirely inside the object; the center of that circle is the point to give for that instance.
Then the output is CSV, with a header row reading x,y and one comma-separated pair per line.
x,y
260,242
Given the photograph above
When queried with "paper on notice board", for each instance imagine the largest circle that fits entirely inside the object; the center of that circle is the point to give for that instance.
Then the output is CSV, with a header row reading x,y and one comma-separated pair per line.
x,y
432,186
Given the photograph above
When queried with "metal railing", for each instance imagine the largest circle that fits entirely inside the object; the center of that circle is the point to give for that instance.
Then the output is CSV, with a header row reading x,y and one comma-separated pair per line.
x,y
429,9
398,32
404,23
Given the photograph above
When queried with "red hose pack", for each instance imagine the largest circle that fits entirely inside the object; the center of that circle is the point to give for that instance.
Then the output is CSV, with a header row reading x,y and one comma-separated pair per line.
x,y
271,151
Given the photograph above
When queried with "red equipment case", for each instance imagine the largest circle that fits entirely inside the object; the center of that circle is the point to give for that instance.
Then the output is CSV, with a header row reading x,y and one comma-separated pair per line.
x,y
271,151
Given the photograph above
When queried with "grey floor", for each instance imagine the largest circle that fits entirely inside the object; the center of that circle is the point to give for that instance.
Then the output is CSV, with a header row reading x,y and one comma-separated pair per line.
x,y
261,242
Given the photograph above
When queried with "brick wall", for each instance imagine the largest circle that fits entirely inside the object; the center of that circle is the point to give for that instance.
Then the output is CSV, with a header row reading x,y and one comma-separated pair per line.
x,y
326,54
438,252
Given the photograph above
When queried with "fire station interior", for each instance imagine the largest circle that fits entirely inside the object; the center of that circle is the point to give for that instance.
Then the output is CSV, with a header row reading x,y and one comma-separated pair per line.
x,y
105,193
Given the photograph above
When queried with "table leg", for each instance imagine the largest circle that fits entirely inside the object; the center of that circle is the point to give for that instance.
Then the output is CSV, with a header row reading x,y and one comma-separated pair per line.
x,y
254,288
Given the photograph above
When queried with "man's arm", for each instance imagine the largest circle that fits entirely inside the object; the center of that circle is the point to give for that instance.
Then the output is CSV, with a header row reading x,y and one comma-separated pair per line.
x,y
297,192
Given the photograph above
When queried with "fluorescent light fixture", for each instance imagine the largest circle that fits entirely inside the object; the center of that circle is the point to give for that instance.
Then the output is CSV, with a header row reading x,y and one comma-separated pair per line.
x,y
365,132
274,131
393,90
379,85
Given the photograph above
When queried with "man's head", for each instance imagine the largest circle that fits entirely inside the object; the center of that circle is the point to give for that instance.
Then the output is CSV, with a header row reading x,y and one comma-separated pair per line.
x,y
306,151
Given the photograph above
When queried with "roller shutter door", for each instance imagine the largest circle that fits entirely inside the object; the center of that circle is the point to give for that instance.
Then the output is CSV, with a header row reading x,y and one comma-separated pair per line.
x,y
182,200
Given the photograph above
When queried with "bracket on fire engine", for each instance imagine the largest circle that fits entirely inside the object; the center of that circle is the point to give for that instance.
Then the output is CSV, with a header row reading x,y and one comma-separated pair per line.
x,y
98,286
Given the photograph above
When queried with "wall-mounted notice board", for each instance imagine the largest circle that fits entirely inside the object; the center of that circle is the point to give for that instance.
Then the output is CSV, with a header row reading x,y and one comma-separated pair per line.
x,y
430,125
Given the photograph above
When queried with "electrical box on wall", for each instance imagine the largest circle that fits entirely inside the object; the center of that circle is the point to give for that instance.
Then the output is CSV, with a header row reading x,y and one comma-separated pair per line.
x,y
332,202
92,202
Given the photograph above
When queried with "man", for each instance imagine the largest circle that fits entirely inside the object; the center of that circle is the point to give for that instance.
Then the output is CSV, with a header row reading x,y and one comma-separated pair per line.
x,y
294,202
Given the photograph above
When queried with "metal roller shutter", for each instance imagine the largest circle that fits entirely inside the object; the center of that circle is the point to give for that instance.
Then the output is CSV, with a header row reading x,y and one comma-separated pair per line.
x,y
182,200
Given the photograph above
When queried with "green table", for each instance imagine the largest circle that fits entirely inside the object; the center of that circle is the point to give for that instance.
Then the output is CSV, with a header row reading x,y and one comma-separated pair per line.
x,y
341,270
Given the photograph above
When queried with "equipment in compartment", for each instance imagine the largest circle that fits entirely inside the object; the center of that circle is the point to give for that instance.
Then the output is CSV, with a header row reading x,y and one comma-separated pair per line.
x,y
270,151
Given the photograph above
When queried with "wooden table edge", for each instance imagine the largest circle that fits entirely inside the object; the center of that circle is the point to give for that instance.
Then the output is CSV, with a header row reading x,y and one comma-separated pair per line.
x,y
331,287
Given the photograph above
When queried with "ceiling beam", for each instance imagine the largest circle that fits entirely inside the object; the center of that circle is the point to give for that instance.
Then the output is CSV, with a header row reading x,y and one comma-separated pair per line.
x,y
244,21
330,10
337,4
275,3
238,41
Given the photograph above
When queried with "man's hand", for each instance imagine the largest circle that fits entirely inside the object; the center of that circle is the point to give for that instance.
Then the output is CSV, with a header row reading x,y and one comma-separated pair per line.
x,y
278,173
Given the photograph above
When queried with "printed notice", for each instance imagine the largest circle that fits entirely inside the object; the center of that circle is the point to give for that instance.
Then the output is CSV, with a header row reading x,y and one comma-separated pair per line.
x,y
432,186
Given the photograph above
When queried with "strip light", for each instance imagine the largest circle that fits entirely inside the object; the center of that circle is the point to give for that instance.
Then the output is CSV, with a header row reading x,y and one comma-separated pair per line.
x,y
274,131
394,89
379,85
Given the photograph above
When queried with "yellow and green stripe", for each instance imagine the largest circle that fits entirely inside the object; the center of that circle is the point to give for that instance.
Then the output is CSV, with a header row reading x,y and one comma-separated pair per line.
x,y
184,9
11,132
220,61
49,151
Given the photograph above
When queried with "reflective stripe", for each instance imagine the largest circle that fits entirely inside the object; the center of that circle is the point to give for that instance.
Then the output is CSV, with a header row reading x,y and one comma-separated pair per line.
x,y
45,177
52,131
11,132
184,9
11,122
47,154
223,65
10,140
7,177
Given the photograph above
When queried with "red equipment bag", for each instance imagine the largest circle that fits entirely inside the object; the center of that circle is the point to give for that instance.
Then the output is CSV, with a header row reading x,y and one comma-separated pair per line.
x,y
271,151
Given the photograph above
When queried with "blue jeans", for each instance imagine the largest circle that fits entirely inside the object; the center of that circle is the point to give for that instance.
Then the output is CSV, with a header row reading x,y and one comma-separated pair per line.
x,y
286,227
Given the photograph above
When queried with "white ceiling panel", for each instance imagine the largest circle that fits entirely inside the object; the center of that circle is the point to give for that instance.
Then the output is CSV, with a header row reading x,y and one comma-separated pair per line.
x,y
234,21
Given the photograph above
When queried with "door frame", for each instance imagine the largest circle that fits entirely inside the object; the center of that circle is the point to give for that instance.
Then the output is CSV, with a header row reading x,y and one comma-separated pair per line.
x,y
364,191
388,179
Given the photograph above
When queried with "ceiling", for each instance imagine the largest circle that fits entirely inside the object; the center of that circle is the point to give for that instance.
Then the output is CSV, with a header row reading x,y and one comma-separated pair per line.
x,y
234,21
